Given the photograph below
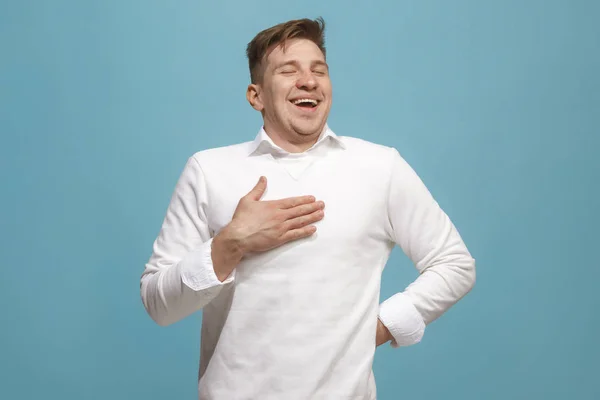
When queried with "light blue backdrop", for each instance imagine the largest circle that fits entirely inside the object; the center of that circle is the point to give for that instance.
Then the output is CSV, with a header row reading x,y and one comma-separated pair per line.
x,y
495,104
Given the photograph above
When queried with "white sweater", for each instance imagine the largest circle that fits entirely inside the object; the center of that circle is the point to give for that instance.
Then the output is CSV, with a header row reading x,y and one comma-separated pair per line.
x,y
299,321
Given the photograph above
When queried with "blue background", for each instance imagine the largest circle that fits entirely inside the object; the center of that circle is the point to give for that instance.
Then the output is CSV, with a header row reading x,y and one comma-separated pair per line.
x,y
495,104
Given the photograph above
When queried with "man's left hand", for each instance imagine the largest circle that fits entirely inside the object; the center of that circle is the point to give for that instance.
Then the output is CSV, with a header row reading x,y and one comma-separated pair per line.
x,y
383,335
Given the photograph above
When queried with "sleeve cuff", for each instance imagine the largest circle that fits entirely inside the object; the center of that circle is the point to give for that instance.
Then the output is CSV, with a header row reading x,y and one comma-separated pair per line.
x,y
197,271
401,318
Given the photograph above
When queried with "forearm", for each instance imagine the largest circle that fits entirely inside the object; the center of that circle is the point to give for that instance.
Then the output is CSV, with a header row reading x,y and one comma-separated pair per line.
x,y
171,293
438,288
442,285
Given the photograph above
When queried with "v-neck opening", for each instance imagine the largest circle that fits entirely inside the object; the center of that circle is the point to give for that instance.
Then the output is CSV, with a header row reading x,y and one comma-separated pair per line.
x,y
295,164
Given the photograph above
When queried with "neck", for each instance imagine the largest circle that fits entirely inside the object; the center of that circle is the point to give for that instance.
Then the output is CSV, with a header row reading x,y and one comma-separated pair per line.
x,y
300,145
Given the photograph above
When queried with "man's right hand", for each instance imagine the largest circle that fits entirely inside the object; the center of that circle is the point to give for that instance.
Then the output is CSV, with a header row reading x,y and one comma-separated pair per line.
x,y
258,226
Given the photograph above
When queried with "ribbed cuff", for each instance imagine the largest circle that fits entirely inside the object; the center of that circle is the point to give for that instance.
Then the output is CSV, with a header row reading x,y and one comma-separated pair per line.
x,y
197,270
401,318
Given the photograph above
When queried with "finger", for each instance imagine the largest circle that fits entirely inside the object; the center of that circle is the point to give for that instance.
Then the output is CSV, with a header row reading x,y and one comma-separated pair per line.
x,y
258,190
300,222
298,233
303,209
294,201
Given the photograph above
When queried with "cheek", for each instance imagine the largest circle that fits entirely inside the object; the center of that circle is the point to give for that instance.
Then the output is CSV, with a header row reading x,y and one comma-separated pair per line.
x,y
276,96
326,87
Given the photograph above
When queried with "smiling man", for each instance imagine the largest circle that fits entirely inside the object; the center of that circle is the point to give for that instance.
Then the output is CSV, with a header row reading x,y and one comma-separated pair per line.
x,y
282,241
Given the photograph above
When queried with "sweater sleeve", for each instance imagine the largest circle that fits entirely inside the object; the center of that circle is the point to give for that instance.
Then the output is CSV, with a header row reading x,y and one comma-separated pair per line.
x,y
179,278
426,235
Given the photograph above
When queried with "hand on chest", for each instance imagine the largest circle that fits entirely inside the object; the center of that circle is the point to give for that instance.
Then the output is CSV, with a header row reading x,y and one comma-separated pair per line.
x,y
354,204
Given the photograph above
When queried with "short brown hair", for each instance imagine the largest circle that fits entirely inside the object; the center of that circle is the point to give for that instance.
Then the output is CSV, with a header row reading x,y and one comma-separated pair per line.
x,y
313,30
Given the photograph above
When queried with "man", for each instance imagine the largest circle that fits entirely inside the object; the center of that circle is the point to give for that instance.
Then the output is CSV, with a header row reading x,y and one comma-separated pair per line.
x,y
282,240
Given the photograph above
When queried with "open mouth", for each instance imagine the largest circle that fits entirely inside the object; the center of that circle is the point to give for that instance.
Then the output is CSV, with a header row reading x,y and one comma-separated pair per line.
x,y
305,104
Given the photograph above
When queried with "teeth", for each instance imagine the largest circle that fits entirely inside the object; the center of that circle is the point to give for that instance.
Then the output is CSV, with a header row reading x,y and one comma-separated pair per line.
x,y
314,102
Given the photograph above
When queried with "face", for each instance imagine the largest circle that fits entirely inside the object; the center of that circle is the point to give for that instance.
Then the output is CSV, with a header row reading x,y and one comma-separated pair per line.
x,y
294,95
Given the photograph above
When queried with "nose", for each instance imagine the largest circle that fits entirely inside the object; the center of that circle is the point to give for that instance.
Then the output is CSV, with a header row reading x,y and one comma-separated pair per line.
x,y
306,81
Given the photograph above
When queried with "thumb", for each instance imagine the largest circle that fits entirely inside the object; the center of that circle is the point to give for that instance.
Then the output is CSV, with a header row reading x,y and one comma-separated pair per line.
x,y
257,191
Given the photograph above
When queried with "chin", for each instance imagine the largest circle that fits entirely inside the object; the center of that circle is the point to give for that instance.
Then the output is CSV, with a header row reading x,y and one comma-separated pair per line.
x,y
308,129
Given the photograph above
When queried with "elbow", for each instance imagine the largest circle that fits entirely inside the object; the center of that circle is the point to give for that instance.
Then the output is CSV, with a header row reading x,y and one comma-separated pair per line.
x,y
161,320
155,307
469,274
160,317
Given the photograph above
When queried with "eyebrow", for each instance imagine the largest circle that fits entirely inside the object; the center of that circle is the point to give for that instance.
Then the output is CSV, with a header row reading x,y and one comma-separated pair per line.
x,y
322,63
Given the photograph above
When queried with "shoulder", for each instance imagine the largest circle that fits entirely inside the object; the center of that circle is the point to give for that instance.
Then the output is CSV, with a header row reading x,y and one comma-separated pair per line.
x,y
369,151
385,161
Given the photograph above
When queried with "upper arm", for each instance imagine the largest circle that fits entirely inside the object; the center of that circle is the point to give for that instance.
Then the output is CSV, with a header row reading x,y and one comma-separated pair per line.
x,y
185,225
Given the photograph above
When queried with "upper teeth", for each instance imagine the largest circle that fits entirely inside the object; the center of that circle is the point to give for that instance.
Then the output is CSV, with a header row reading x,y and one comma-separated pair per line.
x,y
314,102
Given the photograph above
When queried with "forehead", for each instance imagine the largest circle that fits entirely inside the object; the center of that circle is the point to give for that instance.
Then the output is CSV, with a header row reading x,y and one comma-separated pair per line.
x,y
301,50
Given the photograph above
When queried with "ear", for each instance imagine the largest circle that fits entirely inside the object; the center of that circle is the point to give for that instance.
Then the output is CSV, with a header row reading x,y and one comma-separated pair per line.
x,y
253,97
